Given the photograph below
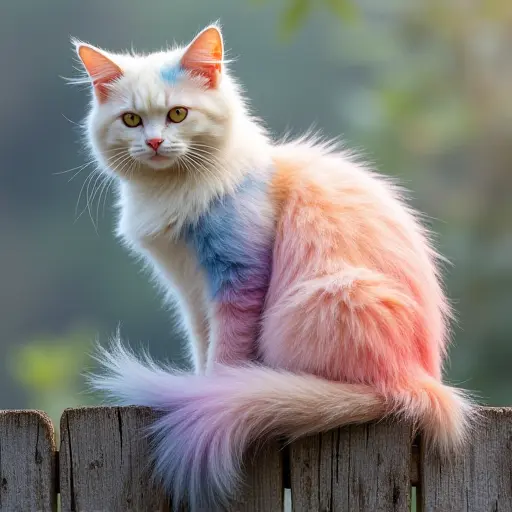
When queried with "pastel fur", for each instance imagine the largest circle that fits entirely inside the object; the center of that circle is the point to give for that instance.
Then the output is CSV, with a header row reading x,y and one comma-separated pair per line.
x,y
310,292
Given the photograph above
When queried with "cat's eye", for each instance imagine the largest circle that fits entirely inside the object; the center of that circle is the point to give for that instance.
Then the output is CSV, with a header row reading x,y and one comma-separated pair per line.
x,y
177,114
132,120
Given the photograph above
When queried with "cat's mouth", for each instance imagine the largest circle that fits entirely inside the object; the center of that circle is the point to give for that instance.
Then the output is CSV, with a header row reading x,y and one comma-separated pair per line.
x,y
159,161
159,158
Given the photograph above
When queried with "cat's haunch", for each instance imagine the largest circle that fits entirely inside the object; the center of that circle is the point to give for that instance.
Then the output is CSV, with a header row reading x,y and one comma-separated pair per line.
x,y
293,254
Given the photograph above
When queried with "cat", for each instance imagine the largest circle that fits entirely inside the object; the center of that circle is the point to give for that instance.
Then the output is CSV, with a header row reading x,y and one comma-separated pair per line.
x,y
309,289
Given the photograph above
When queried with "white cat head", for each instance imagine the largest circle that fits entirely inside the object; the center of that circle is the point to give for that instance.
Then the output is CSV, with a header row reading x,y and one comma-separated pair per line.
x,y
166,111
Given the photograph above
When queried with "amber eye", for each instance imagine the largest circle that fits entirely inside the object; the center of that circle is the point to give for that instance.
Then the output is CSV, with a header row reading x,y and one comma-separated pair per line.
x,y
132,120
177,114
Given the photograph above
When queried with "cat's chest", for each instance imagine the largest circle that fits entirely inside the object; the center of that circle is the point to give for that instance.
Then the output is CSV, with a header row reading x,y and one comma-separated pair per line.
x,y
145,214
233,240
230,242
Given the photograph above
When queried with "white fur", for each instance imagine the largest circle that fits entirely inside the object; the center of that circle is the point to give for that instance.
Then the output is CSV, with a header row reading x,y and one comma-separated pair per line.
x,y
209,153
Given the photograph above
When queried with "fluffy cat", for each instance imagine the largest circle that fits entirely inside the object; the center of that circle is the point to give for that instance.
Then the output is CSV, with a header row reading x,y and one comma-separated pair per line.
x,y
309,290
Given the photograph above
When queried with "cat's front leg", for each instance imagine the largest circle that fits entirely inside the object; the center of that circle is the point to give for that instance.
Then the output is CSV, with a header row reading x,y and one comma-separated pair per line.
x,y
177,270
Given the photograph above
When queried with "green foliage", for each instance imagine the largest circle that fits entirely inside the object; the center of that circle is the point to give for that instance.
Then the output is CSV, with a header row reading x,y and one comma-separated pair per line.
x,y
50,370
346,10
296,12
295,15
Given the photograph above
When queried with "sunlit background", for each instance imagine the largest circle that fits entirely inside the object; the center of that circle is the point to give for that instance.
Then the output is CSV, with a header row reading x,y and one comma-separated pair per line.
x,y
422,87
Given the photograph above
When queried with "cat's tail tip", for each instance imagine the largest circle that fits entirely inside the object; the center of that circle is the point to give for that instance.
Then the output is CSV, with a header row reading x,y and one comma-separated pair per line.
x,y
445,416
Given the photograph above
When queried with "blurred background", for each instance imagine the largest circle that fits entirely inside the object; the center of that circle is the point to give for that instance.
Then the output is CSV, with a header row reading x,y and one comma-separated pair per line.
x,y
422,87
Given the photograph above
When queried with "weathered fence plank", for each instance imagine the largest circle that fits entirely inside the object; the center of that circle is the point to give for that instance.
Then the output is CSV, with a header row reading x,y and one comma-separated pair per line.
x,y
362,468
104,467
263,485
479,479
103,461
27,462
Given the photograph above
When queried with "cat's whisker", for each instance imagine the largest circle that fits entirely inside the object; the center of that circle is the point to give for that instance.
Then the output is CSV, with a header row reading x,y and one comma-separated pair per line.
x,y
209,152
87,183
89,177
102,187
77,173
122,166
120,163
111,182
117,148
132,168
193,166
72,122
201,167
201,156
107,183
205,156
79,167
103,183
207,147
89,200
114,160
136,168
183,159
207,163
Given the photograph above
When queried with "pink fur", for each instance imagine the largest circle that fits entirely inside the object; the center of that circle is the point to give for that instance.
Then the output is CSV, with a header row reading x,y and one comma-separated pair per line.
x,y
236,325
354,329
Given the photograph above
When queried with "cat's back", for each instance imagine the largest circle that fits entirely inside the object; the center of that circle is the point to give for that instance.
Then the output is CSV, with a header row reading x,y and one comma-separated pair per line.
x,y
337,186
340,224
343,213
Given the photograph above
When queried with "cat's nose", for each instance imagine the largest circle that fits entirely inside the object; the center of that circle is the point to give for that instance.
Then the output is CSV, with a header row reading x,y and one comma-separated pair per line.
x,y
154,143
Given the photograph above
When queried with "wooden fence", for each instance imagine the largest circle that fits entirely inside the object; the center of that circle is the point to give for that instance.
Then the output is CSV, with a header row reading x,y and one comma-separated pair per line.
x,y
101,467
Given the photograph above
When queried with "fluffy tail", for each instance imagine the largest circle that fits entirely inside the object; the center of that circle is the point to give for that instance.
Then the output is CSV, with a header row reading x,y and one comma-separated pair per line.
x,y
208,422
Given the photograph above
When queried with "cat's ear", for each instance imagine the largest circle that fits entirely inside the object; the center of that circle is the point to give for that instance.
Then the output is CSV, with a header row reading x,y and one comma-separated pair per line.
x,y
101,69
204,55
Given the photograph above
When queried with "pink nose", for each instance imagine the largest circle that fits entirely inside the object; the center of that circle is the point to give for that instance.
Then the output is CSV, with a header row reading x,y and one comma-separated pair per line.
x,y
154,143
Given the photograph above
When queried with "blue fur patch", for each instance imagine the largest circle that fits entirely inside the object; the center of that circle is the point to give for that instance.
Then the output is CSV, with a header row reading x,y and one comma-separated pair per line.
x,y
172,74
234,251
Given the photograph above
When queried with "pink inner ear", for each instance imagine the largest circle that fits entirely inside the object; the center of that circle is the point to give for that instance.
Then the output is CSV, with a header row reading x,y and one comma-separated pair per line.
x,y
204,56
100,68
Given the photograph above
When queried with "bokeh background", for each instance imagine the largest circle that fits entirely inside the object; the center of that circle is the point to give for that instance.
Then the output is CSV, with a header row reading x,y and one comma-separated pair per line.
x,y
422,87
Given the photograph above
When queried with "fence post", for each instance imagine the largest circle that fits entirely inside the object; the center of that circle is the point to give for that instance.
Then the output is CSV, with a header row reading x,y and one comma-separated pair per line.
x,y
104,463
479,478
356,468
367,468
27,462
104,466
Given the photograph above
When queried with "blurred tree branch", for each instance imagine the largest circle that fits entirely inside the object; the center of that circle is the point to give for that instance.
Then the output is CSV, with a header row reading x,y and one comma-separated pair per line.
x,y
297,11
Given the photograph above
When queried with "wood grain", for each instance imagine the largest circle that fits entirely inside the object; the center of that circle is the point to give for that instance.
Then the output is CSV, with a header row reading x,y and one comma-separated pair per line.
x,y
478,479
263,483
27,462
362,468
103,461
